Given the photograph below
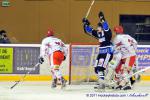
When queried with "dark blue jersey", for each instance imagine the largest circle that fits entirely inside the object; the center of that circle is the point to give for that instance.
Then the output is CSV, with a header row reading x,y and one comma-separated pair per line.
x,y
104,37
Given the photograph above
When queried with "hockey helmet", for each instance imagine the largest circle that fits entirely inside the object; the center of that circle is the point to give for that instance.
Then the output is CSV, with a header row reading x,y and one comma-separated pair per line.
x,y
2,32
118,29
99,24
50,32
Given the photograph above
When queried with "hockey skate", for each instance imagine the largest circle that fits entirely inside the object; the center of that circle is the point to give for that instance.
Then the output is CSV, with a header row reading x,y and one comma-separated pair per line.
x,y
54,83
100,86
63,83
127,86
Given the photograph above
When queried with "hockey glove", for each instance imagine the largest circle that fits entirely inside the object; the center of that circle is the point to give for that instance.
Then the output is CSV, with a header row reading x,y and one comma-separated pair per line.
x,y
41,60
101,16
85,21
64,57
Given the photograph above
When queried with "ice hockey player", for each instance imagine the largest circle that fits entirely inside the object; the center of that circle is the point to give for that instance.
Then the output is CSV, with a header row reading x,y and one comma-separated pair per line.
x,y
124,58
103,34
56,51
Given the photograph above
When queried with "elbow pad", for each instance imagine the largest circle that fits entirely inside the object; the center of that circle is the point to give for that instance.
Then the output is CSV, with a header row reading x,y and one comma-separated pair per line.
x,y
88,29
105,26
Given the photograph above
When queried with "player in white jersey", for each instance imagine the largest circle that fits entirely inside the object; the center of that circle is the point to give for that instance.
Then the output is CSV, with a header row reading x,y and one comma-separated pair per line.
x,y
127,46
124,43
56,51
124,57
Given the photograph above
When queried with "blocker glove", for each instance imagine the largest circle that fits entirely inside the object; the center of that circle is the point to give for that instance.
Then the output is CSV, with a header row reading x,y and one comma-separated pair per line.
x,y
101,16
41,60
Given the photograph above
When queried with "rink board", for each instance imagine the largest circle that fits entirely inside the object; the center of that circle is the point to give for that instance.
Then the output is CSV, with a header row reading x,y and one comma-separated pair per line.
x,y
15,63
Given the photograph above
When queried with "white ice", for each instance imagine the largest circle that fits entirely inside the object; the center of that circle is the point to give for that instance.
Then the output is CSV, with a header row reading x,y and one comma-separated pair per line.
x,y
42,91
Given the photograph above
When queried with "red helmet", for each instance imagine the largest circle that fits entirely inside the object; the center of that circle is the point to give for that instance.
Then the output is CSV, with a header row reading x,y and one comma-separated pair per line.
x,y
118,29
50,32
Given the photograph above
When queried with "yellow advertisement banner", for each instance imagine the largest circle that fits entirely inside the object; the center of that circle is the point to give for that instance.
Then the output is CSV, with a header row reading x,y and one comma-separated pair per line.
x,y
6,60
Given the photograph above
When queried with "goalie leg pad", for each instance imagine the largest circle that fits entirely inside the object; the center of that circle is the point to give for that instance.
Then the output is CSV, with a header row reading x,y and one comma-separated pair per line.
x,y
110,74
111,69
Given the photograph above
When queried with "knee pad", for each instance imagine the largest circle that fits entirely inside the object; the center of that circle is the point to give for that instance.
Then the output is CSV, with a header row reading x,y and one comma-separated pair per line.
x,y
56,71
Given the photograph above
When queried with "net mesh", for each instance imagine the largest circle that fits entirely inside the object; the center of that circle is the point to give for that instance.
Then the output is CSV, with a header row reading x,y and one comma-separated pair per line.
x,y
82,66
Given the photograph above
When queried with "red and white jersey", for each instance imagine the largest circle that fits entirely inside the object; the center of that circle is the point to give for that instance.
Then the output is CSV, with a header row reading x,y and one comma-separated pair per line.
x,y
52,44
125,44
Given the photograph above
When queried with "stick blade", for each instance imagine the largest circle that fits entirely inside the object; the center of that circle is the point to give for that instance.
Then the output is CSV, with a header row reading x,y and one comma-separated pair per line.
x,y
14,85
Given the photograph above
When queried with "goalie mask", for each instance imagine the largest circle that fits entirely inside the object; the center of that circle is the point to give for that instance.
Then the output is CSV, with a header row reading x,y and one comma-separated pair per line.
x,y
118,29
50,32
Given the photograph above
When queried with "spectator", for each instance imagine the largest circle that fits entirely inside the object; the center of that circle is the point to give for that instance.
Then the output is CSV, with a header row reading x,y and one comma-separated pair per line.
x,y
3,37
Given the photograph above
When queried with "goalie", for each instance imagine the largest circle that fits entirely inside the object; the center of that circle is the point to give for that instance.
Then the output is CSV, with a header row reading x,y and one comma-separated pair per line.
x,y
124,59
103,34
56,51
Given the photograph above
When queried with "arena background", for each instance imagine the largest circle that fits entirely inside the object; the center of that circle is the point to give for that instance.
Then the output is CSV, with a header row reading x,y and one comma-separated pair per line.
x,y
26,21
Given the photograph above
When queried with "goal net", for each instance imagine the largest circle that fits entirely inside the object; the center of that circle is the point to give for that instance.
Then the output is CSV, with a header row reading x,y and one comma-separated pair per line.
x,y
83,58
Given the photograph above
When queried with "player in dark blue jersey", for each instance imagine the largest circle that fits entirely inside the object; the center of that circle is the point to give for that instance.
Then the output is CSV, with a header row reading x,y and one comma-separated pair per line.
x,y
103,34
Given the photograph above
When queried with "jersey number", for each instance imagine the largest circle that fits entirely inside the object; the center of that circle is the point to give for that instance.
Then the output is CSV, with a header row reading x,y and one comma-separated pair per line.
x,y
59,43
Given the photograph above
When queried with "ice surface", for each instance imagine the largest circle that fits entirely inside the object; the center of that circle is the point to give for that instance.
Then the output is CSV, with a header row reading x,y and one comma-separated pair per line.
x,y
42,91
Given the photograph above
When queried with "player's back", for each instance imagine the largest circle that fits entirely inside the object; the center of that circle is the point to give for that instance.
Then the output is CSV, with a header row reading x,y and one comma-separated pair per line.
x,y
53,44
125,42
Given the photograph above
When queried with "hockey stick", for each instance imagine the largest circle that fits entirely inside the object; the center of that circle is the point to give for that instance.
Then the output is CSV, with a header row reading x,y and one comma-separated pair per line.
x,y
87,14
140,71
132,75
22,78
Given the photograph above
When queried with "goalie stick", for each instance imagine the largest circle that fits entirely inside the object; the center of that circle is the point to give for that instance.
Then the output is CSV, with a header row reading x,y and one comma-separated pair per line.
x,y
129,76
22,78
